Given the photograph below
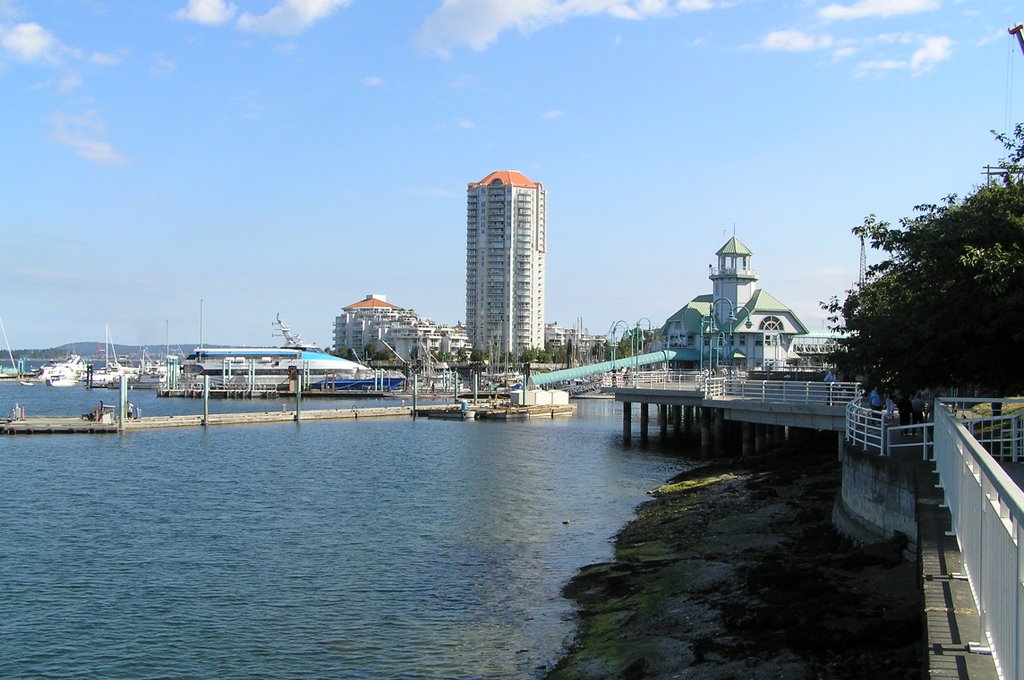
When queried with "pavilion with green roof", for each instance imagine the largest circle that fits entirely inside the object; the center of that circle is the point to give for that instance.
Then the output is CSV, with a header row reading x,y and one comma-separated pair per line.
x,y
736,324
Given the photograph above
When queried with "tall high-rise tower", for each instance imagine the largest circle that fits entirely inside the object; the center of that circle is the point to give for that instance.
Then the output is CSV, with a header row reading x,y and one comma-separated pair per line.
x,y
506,238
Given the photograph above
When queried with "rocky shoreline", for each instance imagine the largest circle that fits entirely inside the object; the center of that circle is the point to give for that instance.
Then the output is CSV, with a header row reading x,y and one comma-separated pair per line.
x,y
733,570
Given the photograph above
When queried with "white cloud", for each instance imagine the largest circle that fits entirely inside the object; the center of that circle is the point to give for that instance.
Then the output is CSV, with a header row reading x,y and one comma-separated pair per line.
x,y
105,59
162,66
31,43
7,9
372,81
876,8
931,52
207,12
796,41
477,23
68,82
289,17
86,136
551,115
465,124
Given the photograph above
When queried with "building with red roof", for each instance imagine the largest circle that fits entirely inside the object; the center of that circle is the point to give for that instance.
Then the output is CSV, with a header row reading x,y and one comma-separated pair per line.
x,y
506,242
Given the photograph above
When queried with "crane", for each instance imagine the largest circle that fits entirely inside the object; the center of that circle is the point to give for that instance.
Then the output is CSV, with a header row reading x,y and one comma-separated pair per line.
x,y
1016,30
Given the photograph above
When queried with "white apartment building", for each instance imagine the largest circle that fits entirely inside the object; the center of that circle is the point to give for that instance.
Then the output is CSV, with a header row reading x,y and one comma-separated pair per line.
x,y
506,241
581,341
374,320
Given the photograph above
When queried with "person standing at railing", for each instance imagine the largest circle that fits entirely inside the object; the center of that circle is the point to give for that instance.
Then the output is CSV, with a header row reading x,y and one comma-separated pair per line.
x,y
917,409
905,408
875,400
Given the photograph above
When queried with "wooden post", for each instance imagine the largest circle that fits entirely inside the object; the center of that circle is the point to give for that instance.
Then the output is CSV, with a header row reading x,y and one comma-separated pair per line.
x,y
677,417
206,400
644,421
748,439
627,421
123,389
719,434
415,393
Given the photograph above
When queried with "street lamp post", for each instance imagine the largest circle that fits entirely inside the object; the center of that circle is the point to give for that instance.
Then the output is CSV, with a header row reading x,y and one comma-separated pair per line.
x,y
731,322
611,338
638,339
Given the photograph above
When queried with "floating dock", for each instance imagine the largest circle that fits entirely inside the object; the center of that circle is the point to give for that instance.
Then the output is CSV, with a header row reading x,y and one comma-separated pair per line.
x,y
56,425
525,412
84,425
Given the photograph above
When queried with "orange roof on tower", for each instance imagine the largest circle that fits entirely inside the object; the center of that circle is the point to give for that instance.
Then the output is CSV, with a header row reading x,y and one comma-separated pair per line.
x,y
372,302
513,177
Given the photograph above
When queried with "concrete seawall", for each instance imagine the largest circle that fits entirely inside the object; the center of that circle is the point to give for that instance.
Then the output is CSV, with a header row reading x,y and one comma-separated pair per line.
x,y
877,498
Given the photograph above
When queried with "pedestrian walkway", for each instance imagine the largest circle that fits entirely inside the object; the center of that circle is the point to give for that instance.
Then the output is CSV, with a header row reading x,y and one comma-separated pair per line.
x,y
951,616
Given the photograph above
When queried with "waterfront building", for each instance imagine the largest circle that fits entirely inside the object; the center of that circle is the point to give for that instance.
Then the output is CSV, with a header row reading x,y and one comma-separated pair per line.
x,y
578,341
506,241
375,321
739,324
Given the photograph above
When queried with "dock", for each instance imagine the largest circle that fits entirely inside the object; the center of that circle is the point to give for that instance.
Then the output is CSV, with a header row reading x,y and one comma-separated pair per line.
x,y
56,425
525,412
84,425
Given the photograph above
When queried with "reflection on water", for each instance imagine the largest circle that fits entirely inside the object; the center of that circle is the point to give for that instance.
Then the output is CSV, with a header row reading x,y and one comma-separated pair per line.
x,y
378,549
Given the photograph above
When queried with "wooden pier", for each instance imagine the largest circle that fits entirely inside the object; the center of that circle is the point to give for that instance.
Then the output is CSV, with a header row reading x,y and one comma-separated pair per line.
x,y
525,412
56,425
85,425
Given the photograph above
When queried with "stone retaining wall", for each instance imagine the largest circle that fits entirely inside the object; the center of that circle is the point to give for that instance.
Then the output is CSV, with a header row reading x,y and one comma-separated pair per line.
x,y
877,499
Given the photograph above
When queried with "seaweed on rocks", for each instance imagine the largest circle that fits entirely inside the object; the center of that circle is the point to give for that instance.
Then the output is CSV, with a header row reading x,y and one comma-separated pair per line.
x,y
733,570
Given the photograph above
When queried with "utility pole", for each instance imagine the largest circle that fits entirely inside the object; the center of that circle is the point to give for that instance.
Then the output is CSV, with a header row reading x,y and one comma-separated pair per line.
x,y
1016,30
863,274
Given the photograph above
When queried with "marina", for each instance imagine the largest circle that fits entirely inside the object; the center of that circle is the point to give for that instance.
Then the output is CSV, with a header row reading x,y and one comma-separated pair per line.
x,y
371,547
106,418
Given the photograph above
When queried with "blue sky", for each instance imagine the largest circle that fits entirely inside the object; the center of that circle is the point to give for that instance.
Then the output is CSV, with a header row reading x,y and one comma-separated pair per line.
x,y
292,156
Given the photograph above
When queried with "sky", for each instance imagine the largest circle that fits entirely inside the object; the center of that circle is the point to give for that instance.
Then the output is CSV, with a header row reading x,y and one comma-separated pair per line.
x,y
185,168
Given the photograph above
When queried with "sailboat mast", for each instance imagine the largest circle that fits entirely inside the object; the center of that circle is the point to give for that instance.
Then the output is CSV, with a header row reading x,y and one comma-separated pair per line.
x,y
9,352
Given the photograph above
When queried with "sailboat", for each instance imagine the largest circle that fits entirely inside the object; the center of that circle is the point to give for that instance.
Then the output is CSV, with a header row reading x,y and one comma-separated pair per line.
x,y
14,370
113,372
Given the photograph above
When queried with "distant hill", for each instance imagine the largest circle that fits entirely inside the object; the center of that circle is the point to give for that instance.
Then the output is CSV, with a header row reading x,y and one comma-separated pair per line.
x,y
94,350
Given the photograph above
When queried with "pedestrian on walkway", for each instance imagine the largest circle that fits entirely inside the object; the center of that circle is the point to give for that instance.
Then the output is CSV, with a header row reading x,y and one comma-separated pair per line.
x,y
905,407
875,400
917,409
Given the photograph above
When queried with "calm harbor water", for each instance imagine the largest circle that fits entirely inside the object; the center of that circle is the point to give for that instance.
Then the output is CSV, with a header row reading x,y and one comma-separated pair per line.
x,y
349,549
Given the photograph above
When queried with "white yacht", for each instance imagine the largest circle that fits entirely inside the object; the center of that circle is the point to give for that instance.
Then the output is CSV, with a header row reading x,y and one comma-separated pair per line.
x,y
270,368
63,373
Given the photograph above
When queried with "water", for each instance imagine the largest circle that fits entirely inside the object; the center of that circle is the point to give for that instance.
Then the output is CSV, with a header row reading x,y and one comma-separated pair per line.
x,y
359,549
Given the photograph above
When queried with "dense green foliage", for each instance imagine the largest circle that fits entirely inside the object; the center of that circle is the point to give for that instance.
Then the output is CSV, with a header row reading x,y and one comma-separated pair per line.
x,y
945,308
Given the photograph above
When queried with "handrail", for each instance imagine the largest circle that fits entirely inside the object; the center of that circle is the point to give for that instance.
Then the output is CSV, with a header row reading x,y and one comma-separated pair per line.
x,y
792,391
987,510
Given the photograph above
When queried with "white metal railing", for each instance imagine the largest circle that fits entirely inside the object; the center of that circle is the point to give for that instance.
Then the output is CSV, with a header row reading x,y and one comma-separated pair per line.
x,y
779,391
865,428
1001,435
667,379
785,391
987,510
874,432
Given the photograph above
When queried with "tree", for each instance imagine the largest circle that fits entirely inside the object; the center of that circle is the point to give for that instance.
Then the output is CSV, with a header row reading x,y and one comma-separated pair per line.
x,y
945,307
